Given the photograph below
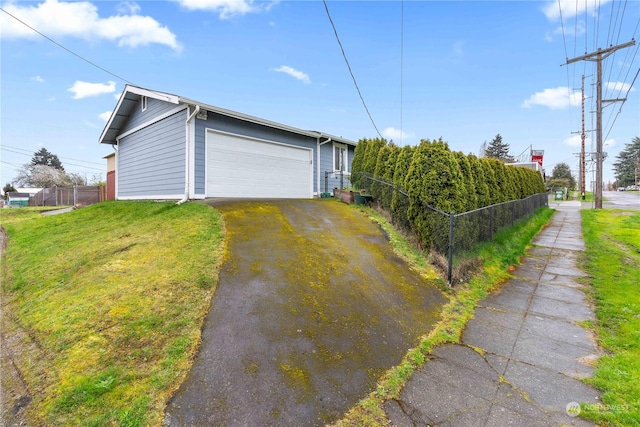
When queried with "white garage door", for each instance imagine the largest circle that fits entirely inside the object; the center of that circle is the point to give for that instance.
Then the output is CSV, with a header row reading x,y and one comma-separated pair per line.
x,y
238,166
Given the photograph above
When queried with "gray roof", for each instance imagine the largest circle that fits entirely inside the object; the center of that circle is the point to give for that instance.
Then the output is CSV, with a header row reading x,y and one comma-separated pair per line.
x,y
131,96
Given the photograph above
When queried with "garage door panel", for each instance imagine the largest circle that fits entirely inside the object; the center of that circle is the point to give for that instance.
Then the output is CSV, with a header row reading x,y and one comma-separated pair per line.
x,y
245,167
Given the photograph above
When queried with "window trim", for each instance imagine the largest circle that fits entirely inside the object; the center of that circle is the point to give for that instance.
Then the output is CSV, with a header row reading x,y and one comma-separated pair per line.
x,y
344,147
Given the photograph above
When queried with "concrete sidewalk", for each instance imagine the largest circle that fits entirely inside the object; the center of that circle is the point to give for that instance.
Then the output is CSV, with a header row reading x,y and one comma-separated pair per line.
x,y
522,355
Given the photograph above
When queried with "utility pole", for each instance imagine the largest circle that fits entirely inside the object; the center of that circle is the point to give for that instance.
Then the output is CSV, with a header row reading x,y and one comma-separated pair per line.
x,y
582,161
598,56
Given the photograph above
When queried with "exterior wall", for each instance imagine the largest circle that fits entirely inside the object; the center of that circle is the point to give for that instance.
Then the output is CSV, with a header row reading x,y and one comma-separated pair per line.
x,y
111,162
155,108
326,164
111,185
151,161
239,127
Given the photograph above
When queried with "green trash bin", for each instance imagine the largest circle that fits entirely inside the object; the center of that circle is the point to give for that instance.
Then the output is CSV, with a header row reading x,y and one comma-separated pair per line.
x,y
559,195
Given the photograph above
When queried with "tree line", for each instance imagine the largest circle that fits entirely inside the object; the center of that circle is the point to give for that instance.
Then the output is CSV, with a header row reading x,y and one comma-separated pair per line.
x,y
433,175
44,170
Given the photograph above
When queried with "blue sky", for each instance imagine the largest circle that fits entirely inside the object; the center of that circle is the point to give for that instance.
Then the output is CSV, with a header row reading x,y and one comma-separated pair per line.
x,y
470,70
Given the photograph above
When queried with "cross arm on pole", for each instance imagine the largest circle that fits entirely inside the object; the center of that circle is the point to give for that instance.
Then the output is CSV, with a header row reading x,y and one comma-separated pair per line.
x,y
600,52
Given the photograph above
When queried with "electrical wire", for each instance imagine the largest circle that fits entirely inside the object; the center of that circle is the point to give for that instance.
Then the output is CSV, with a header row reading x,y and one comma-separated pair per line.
x,y
29,153
67,163
344,55
401,66
63,47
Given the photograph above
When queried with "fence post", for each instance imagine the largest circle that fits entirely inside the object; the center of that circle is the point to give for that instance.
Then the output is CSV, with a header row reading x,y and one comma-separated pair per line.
x,y
491,222
450,260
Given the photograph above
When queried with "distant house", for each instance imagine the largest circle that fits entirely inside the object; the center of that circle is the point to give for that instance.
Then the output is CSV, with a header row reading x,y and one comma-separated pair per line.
x,y
111,176
170,147
15,198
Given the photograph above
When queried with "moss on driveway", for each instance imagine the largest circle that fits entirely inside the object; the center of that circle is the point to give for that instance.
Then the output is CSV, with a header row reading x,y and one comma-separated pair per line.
x,y
311,308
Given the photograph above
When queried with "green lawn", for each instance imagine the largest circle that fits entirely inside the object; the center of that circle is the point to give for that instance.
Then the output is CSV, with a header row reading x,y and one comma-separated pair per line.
x,y
612,238
110,299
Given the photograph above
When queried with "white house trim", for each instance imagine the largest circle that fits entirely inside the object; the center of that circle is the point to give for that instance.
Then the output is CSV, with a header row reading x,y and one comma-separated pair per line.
x,y
152,121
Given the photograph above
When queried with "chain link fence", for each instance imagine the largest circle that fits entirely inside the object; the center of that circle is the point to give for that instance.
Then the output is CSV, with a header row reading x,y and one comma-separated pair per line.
x,y
68,196
451,236
335,179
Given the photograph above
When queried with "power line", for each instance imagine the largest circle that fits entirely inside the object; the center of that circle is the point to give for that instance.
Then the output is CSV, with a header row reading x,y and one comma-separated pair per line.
x,y
68,50
28,153
344,55
401,65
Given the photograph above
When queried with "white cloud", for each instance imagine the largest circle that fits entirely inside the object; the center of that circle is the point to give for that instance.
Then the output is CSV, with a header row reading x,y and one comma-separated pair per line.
x,y
105,116
225,8
297,74
609,142
554,98
395,134
82,89
571,8
37,79
576,141
128,8
568,30
619,87
81,20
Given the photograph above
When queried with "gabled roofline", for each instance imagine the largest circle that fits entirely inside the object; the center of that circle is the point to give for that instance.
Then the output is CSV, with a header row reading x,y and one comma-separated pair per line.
x,y
265,122
174,99
138,91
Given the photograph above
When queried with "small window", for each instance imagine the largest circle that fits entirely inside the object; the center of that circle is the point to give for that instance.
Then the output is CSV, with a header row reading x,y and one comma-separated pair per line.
x,y
340,160
143,103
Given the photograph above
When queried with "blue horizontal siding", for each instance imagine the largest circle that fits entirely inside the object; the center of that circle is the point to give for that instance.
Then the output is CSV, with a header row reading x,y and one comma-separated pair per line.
x,y
151,161
155,108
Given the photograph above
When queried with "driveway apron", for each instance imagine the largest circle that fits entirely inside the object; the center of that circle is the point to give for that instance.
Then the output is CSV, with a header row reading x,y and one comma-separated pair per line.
x,y
312,306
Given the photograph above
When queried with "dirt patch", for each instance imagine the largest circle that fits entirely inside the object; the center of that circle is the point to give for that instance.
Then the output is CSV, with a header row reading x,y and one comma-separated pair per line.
x,y
311,308
14,395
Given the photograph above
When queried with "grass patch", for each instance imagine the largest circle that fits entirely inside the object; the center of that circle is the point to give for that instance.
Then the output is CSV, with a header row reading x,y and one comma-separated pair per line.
x,y
114,296
612,239
508,247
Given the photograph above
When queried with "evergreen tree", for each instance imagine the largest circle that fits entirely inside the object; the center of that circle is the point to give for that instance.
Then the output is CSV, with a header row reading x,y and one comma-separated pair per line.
x,y
400,202
627,166
434,179
562,171
358,162
481,183
387,175
498,149
371,158
45,158
375,188
468,180
8,188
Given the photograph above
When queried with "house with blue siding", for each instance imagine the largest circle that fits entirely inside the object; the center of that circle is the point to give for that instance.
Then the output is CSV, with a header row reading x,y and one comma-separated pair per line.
x,y
169,147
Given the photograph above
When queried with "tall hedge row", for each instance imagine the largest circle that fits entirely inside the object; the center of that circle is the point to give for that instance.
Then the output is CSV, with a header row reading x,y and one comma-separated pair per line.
x,y
434,175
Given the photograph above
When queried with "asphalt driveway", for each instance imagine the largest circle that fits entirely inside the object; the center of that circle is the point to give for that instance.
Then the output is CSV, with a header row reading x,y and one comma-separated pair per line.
x,y
311,308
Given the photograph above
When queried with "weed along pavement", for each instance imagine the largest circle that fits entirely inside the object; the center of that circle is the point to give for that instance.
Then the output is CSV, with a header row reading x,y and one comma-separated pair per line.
x,y
523,355
312,306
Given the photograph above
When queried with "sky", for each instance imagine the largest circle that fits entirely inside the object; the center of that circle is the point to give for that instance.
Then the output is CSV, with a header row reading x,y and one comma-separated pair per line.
x,y
463,71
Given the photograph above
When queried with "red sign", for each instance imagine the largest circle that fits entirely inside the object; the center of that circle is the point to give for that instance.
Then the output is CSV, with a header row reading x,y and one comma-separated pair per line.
x,y
536,156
